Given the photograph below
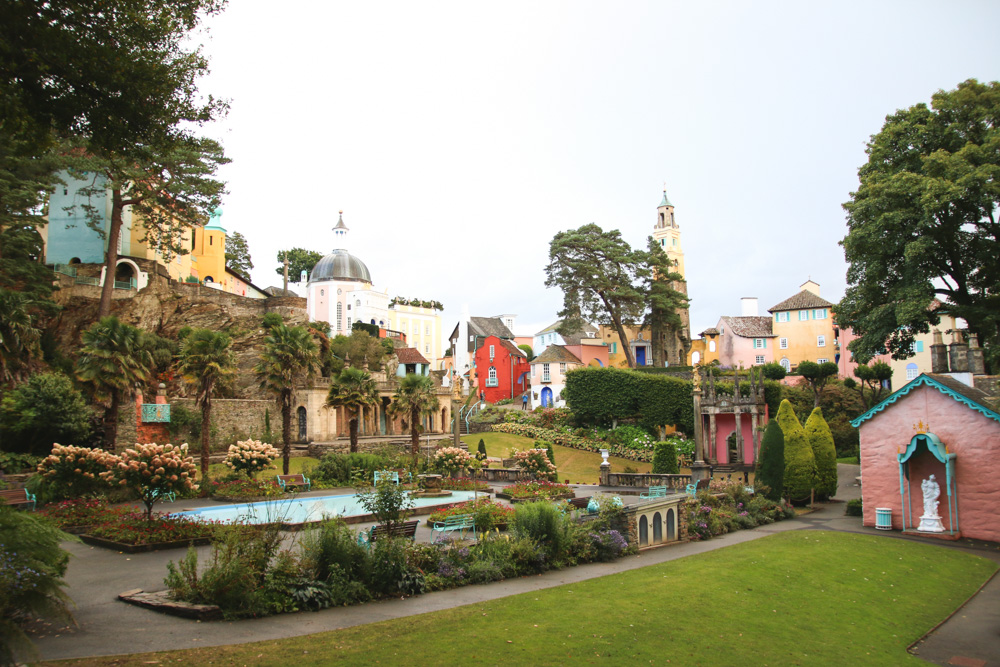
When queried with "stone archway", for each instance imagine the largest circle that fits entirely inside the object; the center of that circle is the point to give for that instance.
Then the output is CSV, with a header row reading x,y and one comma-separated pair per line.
x,y
643,531
657,528
303,424
671,526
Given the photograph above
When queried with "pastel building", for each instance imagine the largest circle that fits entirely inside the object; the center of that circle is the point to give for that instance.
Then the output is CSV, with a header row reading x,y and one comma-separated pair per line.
x,y
548,376
502,369
746,340
804,329
705,350
420,324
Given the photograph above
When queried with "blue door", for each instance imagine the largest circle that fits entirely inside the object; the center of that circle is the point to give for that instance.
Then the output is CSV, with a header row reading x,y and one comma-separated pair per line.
x,y
546,397
640,356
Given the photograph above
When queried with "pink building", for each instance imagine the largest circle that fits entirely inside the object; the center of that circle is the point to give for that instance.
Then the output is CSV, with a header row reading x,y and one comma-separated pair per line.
x,y
548,375
745,341
934,425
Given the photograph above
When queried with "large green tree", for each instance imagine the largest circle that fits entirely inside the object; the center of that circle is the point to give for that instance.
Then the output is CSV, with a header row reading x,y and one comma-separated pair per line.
x,y
360,349
414,398
771,464
299,260
873,378
238,254
113,361
923,224
207,360
817,376
800,462
825,453
19,337
289,354
43,410
353,390
664,301
600,276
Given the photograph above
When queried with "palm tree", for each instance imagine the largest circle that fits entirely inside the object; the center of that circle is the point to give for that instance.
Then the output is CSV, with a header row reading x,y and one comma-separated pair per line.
x,y
113,361
352,390
289,353
19,335
206,359
414,398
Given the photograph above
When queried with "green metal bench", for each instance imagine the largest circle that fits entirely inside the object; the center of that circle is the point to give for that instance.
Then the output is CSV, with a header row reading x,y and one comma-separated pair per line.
x,y
390,475
18,497
459,522
654,492
294,480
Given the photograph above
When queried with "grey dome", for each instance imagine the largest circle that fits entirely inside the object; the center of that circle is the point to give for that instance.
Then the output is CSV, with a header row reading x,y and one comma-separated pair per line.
x,y
340,265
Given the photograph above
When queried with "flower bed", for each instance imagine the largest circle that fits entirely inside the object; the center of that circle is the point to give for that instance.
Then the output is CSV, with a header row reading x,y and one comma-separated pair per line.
x,y
537,490
134,533
489,515
727,507
569,439
242,490
451,459
464,484
74,515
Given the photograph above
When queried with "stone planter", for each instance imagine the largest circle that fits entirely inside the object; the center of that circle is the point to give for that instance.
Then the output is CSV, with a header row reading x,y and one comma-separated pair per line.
x,y
143,548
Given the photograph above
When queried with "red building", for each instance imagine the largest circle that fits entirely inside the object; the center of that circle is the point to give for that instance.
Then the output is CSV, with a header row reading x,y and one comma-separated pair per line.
x,y
502,369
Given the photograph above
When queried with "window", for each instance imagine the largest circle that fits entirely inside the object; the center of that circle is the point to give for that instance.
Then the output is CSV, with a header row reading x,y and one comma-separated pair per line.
x,y
427,348
663,242
781,317
819,314
614,348
786,364
783,343
722,330
340,316
711,346
759,359
545,373
911,372
822,361
760,343
358,303
918,346
491,379
820,341
674,241
403,325
562,368
321,292
492,353
210,239
348,323
427,330
803,315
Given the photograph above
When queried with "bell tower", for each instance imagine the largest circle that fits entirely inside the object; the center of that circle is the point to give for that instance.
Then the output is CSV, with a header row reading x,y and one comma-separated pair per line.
x,y
667,233
674,344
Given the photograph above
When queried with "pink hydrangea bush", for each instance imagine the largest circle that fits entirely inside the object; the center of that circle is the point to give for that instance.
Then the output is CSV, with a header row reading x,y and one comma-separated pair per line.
x,y
153,470
536,461
248,457
451,459
74,472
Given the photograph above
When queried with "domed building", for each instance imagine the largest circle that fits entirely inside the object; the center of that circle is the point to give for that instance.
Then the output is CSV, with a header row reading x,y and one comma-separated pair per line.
x,y
340,290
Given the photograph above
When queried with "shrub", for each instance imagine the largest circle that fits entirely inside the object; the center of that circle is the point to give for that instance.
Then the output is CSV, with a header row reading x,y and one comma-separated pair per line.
x,y
330,551
773,371
152,470
539,490
481,450
665,459
343,469
536,461
825,453
609,544
82,512
855,507
544,524
46,408
771,464
800,463
13,463
271,320
248,457
391,572
488,514
451,459
32,565
73,472
387,501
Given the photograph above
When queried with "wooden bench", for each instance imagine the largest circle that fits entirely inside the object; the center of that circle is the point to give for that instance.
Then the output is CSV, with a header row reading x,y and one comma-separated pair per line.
x,y
294,480
405,529
459,522
654,492
18,497
579,503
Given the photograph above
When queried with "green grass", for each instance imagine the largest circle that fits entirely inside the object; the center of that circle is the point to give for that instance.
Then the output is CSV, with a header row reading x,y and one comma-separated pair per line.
x,y
800,597
848,459
296,465
576,465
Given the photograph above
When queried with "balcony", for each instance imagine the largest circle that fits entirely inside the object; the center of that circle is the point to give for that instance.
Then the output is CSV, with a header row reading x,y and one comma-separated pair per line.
x,y
546,378
156,412
492,382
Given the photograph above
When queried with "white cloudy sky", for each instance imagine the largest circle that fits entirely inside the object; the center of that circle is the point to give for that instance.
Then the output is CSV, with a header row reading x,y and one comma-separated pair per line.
x,y
459,137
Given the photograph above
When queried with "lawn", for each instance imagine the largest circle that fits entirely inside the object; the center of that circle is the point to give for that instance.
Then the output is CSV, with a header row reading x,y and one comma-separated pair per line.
x,y
576,465
799,597
296,464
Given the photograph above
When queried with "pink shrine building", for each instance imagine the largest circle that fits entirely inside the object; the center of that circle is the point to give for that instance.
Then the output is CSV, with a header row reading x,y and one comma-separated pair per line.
x,y
732,417
934,425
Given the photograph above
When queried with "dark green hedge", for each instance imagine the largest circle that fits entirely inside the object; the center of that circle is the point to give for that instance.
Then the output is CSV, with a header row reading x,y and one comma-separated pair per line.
x,y
600,395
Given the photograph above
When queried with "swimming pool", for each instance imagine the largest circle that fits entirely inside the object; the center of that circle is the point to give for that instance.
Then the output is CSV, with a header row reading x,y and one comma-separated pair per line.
x,y
296,511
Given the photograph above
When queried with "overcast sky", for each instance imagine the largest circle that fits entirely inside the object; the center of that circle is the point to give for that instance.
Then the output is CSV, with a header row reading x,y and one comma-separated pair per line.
x,y
458,138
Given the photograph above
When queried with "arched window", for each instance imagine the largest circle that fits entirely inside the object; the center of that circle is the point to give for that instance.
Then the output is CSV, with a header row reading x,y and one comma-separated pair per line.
x,y
911,372
695,358
786,364
491,378
711,346
340,315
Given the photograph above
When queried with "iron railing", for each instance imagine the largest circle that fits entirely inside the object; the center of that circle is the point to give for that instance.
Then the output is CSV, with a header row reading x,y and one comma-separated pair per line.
x,y
156,412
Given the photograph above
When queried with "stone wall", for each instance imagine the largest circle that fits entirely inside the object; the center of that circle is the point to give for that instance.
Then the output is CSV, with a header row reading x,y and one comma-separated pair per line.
x,y
235,419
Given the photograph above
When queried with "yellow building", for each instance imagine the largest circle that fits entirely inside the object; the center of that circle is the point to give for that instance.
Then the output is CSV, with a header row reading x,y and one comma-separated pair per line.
x,y
803,327
421,325
705,350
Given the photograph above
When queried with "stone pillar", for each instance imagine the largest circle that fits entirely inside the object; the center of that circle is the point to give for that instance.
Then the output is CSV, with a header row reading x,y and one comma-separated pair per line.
x,y
958,354
739,436
712,435
755,443
699,469
605,474
977,365
939,354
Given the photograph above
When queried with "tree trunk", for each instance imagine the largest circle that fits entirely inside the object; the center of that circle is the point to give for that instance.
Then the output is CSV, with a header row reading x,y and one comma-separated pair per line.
x,y
286,431
206,424
414,435
353,430
111,256
623,337
111,422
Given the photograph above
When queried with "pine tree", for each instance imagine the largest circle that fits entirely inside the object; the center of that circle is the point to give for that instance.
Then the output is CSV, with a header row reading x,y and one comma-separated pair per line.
x,y
825,452
800,464
771,464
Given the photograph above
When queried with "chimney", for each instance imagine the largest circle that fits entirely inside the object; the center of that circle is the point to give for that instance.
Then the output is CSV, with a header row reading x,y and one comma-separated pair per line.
x,y
977,366
749,306
958,354
939,354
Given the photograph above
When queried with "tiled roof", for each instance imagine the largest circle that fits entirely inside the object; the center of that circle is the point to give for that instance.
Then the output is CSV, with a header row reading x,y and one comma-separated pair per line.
x,y
573,338
410,355
556,354
801,301
489,326
963,393
711,331
749,326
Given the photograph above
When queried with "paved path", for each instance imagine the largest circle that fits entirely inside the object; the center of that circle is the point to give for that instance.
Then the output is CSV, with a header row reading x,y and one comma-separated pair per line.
x,y
109,627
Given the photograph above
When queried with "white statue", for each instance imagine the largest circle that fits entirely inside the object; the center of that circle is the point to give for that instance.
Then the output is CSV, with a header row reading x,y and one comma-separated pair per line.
x,y
930,522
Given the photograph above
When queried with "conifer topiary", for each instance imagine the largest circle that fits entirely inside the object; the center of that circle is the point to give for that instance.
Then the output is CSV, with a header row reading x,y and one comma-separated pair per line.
x,y
771,464
665,459
825,453
550,453
800,464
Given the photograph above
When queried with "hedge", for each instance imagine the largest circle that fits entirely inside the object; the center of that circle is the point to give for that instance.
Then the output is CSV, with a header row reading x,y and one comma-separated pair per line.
x,y
800,463
821,442
601,395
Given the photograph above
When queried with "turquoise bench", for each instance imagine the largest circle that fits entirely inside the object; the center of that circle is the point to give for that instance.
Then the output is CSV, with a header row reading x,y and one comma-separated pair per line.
x,y
294,480
390,475
459,522
17,497
654,492
165,496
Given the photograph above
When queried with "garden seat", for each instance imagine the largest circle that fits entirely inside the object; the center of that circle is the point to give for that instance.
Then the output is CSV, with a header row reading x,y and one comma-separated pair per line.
x,y
691,490
405,529
18,497
390,475
294,480
166,496
458,522
654,492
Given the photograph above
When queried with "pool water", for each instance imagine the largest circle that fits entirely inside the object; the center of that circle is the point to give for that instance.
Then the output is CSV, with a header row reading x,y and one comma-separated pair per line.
x,y
303,510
